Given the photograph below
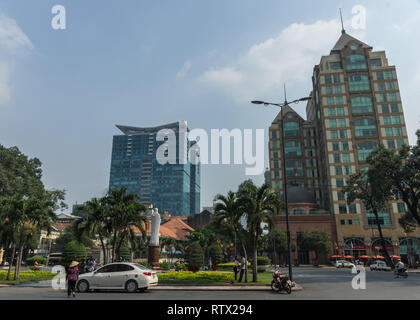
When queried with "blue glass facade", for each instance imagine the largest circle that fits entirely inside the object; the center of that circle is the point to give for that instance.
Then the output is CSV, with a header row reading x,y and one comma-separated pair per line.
x,y
170,187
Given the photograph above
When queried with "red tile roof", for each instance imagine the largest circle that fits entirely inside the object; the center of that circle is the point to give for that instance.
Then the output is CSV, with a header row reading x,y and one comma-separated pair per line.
x,y
60,226
175,228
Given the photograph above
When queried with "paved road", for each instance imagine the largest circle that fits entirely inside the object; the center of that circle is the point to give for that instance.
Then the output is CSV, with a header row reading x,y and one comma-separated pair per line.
x,y
320,284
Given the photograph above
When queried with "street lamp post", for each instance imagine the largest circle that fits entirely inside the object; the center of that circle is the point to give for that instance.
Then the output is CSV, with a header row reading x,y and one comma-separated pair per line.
x,y
281,105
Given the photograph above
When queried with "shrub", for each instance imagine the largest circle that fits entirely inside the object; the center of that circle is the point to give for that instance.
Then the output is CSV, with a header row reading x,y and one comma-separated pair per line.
x,y
263,261
194,257
164,265
124,254
31,261
189,275
216,254
229,266
74,251
181,266
27,274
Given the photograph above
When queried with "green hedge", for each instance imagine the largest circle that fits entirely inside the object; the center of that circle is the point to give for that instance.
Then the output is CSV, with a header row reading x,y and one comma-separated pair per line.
x,y
31,261
202,275
27,274
263,261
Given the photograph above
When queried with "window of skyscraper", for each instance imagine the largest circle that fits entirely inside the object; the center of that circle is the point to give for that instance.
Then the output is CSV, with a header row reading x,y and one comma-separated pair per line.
x,y
390,144
389,75
341,123
338,171
337,89
334,134
359,83
356,62
340,111
336,146
385,108
347,170
292,149
346,158
365,148
336,65
380,75
292,166
341,196
384,218
394,108
365,128
401,207
328,79
343,134
291,129
329,90
375,63
336,78
337,158
345,146
387,120
389,132
390,85
400,143
398,132
361,104
342,209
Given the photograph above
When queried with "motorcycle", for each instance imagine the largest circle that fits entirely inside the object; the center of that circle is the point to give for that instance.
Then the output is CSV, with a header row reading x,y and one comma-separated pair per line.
x,y
281,282
401,273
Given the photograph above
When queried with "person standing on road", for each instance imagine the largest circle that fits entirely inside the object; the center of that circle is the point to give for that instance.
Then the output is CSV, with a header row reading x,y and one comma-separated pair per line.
x,y
236,267
72,277
243,266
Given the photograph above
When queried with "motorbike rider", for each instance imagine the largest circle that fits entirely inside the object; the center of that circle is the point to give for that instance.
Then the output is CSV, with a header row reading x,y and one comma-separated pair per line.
x,y
400,266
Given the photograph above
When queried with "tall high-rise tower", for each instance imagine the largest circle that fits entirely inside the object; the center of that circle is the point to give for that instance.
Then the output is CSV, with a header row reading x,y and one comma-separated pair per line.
x,y
170,187
355,107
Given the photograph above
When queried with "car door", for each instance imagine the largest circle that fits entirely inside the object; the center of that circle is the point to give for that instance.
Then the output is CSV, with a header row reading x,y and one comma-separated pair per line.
x,y
102,277
120,275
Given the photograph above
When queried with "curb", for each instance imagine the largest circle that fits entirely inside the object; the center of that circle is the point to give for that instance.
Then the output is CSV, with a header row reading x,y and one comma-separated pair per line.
x,y
219,288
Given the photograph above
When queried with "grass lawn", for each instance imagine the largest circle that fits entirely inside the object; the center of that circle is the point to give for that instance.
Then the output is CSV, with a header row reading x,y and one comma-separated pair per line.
x,y
26,276
264,278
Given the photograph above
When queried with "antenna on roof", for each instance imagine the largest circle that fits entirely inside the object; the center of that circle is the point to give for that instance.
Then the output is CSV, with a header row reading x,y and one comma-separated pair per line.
x,y
342,23
285,96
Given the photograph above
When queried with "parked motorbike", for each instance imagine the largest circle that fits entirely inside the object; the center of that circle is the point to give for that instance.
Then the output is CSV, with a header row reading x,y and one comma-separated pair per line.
x,y
281,282
401,273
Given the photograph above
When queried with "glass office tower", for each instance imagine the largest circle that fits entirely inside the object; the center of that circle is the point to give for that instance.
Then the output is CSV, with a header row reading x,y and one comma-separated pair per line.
x,y
170,187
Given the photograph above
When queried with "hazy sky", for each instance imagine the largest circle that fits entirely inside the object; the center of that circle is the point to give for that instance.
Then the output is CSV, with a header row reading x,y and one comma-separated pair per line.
x,y
146,63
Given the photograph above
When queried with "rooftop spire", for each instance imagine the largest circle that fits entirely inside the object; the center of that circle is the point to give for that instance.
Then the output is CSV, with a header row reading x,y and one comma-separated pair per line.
x,y
285,95
342,23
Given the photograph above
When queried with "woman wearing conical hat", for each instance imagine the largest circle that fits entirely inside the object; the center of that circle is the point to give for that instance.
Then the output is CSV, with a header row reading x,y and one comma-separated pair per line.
x,y
72,276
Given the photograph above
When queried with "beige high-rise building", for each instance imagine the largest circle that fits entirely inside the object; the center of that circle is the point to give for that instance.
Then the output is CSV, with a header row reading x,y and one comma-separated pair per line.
x,y
356,106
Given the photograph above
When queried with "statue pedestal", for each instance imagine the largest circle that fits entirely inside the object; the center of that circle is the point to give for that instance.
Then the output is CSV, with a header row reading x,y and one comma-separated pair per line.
x,y
153,258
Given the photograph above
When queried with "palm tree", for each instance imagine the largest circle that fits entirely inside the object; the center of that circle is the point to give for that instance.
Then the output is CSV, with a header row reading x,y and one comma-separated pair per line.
x,y
124,212
258,203
95,223
227,215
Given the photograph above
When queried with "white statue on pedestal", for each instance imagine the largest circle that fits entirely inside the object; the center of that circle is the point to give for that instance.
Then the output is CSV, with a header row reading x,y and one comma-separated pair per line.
x,y
154,238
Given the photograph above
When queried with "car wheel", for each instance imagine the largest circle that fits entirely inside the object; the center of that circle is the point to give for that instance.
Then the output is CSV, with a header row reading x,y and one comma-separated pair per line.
x,y
83,286
131,286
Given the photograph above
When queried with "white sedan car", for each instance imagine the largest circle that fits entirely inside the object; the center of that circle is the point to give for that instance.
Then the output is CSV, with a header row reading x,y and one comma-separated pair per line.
x,y
121,275
379,265
343,264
